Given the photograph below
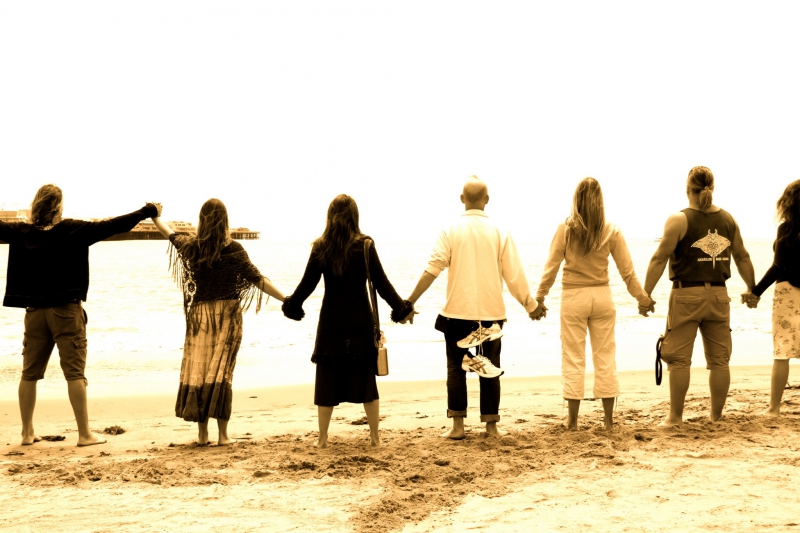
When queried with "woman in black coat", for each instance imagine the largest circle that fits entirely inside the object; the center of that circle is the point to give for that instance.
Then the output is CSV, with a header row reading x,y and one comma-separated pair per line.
x,y
345,351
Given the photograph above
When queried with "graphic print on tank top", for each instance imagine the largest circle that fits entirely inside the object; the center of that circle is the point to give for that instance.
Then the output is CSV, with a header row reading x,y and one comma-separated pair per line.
x,y
712,244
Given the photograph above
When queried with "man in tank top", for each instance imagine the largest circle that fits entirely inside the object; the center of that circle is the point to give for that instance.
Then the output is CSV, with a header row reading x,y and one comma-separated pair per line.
x,y
699,243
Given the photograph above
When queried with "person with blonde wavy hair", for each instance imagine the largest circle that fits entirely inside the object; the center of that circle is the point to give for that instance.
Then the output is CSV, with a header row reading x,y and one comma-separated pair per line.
x,y
583,243
48,276
699,243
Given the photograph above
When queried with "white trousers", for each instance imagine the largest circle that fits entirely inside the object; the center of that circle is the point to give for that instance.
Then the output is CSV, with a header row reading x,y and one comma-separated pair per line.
x,y
589,308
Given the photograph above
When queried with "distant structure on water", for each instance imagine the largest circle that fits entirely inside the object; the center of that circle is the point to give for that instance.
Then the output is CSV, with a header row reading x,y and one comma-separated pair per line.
x,y
144,231
147,231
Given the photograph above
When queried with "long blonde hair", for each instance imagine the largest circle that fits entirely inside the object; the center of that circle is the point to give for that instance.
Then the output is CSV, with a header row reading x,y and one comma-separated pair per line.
x,y
587,219
47,206
212,234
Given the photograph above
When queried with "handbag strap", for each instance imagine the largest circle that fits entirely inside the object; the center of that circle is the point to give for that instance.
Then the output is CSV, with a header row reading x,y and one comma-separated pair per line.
x,y
372,297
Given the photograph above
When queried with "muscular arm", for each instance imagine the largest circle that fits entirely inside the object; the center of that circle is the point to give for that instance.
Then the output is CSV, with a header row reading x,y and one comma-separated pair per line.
x,y
674,230
742,259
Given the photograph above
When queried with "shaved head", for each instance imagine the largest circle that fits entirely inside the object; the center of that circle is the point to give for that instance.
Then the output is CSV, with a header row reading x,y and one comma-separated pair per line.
x,y
475,192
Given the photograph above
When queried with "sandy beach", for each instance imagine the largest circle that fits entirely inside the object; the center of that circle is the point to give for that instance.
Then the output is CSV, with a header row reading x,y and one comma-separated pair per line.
x,y
736,475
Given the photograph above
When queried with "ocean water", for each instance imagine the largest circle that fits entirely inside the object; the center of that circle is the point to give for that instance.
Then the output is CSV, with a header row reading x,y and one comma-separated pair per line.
x,y
136,325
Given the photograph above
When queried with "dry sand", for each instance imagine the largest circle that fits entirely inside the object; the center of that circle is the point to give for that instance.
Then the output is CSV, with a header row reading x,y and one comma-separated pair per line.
x,y
738,475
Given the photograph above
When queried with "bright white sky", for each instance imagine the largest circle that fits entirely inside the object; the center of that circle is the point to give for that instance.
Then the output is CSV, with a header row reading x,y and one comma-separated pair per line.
x,y
276,107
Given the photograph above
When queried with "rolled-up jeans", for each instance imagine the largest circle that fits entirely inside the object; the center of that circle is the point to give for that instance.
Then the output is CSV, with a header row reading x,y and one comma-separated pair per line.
x,y
456,330
592,309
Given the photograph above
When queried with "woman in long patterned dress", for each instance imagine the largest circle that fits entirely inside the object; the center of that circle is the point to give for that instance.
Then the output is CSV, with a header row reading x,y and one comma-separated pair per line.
x,y
785,273
344,352
219,283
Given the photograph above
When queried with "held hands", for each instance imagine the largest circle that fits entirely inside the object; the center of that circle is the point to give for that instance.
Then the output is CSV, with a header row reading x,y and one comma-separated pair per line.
x,y
158,208
649,308
539,313
750,299
409,319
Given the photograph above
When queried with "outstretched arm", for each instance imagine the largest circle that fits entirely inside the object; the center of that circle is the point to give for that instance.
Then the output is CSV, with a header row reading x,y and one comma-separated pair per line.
x,y
674,230
742,259
424,283
165,230
267,286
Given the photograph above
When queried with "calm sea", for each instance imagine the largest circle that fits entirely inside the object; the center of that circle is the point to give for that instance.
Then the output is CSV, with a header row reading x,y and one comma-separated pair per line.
x,y
136,325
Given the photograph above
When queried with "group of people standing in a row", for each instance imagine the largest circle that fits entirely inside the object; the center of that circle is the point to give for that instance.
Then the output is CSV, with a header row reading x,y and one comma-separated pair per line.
x,y
48,275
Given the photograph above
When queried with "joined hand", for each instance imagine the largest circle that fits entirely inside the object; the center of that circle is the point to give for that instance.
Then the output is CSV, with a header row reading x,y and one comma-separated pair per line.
x,y
409,319
539,313
750,299
158,208
649,308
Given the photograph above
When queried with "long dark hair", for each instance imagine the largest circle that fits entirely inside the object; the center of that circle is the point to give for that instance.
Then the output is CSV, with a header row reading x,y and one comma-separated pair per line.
x,y
212,234
788,211
341,231
587,219
701,181
47,206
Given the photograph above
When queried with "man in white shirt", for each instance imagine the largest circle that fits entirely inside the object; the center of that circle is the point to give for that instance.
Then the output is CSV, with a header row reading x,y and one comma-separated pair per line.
x,y
480,257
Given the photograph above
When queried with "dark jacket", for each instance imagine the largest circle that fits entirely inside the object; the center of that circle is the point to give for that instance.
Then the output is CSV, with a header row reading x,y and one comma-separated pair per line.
x,y
785,265
345,329
47,268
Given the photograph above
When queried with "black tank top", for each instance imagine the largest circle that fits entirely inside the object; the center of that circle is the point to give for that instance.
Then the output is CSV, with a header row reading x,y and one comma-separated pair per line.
x,y
704,253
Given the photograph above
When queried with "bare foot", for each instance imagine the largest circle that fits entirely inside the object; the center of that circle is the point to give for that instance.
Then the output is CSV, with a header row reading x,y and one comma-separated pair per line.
x,y
571,425
608,425
321,444
201,444
670,422
374,440
454,434
224,441
94,439
770,412
492,431
27,441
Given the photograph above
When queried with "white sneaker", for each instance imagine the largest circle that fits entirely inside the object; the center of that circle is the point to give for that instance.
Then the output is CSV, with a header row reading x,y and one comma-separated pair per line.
x,y
480,335
481,366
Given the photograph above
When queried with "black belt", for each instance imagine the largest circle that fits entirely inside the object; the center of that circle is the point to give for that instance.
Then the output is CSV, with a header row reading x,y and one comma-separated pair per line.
x,y
685,284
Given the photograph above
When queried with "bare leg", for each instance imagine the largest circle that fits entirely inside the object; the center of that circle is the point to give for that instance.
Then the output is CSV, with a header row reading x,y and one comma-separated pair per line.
x,y
324,415
373,419
608,413
222,425
27,403
202,433
572,416
491,430
719,381
780,375
457,432
679,380
76,388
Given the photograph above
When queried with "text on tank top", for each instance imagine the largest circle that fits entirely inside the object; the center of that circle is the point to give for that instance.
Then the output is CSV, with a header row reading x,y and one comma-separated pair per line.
x,y
704,252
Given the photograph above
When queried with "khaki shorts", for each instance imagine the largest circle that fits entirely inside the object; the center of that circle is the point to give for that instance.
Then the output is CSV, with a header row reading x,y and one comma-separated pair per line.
x,y
693,308
64,326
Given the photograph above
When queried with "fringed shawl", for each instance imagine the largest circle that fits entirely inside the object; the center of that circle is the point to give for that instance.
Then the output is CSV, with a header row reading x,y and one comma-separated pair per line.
x,y
232,277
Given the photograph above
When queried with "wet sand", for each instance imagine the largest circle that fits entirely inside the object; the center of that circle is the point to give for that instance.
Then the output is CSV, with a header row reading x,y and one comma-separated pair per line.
x,y
736,475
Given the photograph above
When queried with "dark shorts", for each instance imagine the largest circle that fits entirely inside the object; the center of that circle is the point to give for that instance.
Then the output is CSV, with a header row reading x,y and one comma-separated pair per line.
x,y
63,326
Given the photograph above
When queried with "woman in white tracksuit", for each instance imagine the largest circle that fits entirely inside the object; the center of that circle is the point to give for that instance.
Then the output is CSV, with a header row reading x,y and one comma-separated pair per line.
x,y
583,243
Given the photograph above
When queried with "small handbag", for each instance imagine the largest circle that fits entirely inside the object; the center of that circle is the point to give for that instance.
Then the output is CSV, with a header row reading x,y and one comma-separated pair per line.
x,y
382,368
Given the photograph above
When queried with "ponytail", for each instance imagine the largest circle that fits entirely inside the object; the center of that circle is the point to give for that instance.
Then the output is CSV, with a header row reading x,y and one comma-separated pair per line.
x,y
701,182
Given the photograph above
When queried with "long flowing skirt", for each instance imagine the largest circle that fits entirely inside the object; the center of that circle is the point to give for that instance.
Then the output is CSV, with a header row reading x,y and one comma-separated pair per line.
x,y
209,357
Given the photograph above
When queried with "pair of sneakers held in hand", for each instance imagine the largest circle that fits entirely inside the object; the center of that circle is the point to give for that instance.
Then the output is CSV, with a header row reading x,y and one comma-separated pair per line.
x,y
478,363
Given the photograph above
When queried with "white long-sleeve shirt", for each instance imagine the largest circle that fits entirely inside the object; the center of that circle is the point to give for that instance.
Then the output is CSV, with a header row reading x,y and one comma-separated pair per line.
x,y
592,270
480,257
